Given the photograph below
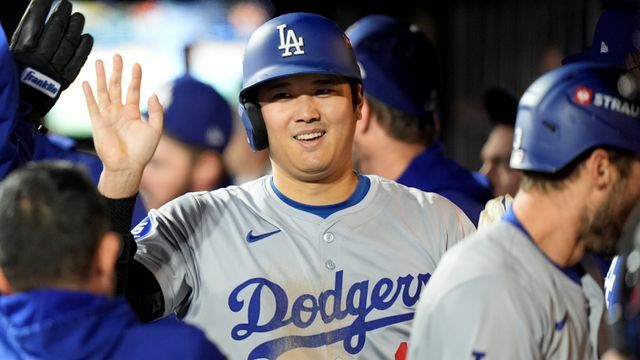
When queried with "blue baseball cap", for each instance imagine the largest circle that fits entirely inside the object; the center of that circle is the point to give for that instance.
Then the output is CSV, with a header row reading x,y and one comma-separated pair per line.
x,y
196,114
398,63
616,36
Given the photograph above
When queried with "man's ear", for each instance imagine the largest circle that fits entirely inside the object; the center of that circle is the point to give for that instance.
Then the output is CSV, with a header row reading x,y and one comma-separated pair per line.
x,y
359,101
365,118
600,168
208,170
5,288
103,270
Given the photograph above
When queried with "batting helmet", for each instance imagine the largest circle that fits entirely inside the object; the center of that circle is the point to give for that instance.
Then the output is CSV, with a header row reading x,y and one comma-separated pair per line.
x,y
399,64
290,44
571,110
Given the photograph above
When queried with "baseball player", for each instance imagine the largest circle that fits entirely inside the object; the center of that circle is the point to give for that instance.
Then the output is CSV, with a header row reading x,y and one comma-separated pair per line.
x,y
521,288
315,261
397,136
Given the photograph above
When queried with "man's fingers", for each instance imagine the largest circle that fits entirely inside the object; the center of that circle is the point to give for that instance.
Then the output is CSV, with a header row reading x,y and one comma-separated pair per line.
x,y
54,30
156,115
28,32
133,92
69,42
101,85
92,106
115,81
79,58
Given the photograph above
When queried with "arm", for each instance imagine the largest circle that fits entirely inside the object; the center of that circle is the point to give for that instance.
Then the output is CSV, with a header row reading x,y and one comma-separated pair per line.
x,y
133,280
125,144
47,56
16,137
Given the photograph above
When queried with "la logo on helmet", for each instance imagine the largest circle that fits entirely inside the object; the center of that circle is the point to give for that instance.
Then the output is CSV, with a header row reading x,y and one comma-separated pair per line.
x,y
290,41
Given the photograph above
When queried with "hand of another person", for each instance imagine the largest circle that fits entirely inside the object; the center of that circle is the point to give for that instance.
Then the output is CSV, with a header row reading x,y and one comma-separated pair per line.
x,y
48,55
493,210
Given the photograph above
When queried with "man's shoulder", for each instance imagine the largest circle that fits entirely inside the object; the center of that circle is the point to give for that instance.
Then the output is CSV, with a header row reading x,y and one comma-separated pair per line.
x,y
493,253
395,188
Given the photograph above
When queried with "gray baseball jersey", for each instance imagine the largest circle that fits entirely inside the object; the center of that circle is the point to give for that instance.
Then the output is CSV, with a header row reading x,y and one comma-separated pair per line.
x,y
266,279
497,296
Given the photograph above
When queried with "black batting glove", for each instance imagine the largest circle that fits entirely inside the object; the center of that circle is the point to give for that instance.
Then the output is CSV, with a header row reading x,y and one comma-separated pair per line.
x,y
48,55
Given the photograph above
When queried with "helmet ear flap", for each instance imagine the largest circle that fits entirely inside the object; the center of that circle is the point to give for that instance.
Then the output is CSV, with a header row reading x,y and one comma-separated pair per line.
x,y
253,122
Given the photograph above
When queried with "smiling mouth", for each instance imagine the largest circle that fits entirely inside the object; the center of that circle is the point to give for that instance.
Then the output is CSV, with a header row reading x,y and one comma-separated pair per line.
x,y
310,136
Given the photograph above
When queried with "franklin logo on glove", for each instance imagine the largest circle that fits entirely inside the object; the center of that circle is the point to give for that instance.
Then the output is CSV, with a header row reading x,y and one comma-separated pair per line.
x,y
40,82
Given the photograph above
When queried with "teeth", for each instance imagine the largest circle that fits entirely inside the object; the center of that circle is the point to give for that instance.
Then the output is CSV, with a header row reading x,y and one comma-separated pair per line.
x,y
310,136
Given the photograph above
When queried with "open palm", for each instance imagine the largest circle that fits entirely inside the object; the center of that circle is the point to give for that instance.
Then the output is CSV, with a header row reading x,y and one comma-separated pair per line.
x,y
124,142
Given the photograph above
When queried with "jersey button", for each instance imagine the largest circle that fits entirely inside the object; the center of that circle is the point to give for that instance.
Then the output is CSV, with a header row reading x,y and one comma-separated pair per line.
x,y
328,237
330,264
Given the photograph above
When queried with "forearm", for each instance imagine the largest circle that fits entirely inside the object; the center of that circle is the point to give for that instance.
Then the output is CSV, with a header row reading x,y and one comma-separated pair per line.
x,y
120,211
120,185
16,144
133,279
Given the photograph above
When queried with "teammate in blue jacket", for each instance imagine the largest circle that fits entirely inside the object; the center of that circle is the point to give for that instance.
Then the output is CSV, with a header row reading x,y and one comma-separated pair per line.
x,y
57,260
397,136
523,288
314,261
16,136
46,56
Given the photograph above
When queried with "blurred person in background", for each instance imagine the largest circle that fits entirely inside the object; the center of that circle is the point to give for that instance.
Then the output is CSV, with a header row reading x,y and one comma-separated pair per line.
x,y
496,151
397,135
197,128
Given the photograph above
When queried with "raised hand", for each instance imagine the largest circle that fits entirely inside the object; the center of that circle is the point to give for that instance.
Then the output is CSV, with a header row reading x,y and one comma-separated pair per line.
x,y
48,54
124,142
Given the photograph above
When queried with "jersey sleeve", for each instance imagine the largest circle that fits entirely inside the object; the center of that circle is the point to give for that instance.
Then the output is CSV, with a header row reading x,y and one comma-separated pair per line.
x,y
166,242
16,135
455,224
479,319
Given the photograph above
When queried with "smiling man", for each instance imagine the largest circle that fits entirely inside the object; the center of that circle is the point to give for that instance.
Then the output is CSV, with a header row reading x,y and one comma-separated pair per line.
x,y
315,261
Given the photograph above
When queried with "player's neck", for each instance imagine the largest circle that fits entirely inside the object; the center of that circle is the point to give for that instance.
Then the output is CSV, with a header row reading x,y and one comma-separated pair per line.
x,y
329,191
391,158
552,220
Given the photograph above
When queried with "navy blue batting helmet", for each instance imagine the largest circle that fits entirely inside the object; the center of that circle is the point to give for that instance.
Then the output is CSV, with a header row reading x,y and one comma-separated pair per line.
x,y
399,63
573,109
290,44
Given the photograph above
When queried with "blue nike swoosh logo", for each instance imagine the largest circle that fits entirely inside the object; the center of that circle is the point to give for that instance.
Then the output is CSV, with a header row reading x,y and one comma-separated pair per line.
x,y
251,238
560,324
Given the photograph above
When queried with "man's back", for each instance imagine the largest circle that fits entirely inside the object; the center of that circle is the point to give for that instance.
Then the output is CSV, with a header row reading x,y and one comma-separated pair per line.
x,y
432,171
501,279
58,324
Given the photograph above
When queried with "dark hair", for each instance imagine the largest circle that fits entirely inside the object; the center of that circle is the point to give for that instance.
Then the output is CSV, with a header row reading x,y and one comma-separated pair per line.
x,y
622,159
501,107
51,219
402,126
